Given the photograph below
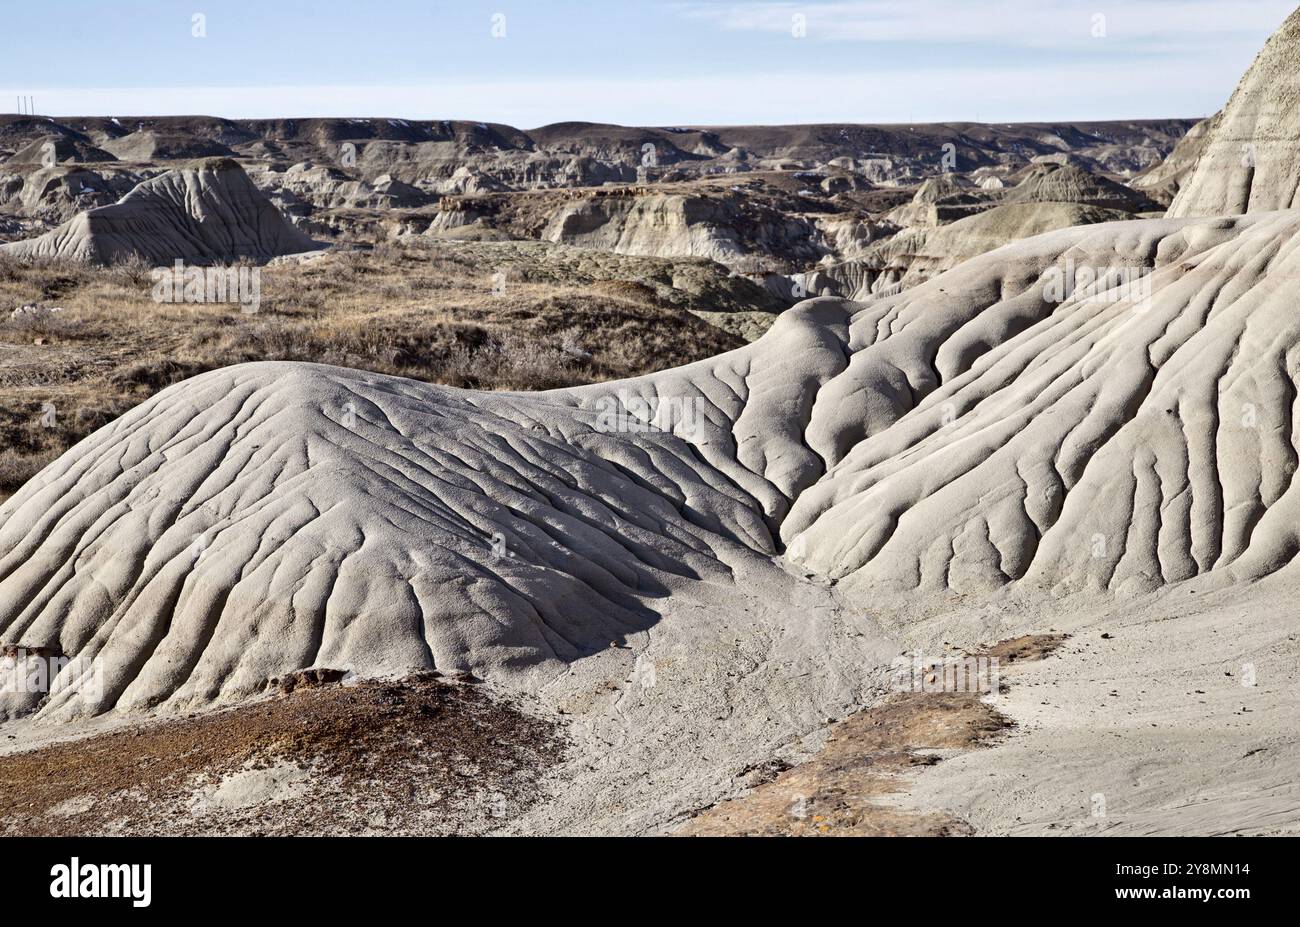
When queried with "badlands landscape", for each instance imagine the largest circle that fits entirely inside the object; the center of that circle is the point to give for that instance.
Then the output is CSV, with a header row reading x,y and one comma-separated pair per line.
x,y
594,479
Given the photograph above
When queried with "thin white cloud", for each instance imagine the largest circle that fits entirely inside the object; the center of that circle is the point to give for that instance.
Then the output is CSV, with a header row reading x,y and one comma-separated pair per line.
x,y
1170,24
1074,92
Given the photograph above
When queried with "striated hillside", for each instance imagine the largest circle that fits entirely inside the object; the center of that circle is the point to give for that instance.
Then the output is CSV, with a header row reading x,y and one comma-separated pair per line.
x,y
205,212
995,426
1247,157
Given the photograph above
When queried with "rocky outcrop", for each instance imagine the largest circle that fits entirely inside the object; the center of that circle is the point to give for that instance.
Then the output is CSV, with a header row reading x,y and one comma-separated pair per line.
x,y
850,236
148,145
207,212
940,200
1248,159
1065,183
1163,180
672,225
950,220
914,255
56,194
322,186
658,225
47,152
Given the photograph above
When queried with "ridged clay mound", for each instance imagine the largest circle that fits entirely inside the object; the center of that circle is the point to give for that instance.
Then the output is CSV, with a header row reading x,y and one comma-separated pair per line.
x,y
917,254
1065,183
149,145
56,150
1249,160
941,199
206,212
1135,434
988,429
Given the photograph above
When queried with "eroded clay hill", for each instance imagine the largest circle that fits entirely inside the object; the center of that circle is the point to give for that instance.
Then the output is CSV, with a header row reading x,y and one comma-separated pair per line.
x,y
208,211
997,426
1248,155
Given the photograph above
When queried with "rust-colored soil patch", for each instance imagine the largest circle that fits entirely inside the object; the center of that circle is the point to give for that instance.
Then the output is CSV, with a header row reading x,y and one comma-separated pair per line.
x,y
1024,649
832,794
419,756
836,793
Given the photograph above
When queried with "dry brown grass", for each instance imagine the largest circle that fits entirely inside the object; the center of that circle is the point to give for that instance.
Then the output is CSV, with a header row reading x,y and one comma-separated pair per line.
x,y
434,312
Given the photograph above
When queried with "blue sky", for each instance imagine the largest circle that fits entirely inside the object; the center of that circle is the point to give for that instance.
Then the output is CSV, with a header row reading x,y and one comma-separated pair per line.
x,y
634,61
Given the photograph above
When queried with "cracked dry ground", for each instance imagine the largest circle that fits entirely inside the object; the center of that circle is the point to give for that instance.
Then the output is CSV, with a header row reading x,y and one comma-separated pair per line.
x,y
418,756
838,792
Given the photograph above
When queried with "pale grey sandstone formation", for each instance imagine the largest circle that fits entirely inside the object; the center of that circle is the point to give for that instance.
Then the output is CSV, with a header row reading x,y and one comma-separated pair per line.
x,y
1248,155
207,212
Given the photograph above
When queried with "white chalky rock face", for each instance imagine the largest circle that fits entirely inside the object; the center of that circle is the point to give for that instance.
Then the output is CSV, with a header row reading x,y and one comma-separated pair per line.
x,y
989,428
1249,158
207,212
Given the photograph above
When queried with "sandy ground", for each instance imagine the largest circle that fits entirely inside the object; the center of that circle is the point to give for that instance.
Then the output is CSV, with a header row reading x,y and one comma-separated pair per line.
x,y
1172,715
767,691
1168,714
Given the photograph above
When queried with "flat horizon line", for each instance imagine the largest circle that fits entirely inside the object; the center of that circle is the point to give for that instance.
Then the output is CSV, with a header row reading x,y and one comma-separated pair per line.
x,y
696,126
